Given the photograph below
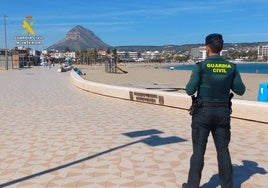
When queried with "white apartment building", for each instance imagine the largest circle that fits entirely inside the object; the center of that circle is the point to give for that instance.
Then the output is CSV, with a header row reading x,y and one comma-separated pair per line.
x,y
58,54
151,55
128,55
199,53
262,51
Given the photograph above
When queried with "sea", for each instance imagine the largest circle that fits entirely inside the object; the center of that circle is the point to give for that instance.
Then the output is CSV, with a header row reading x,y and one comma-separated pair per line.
x,y
252,67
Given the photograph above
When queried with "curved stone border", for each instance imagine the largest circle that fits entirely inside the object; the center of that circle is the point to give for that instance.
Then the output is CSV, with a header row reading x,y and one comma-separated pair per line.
x,y
243,109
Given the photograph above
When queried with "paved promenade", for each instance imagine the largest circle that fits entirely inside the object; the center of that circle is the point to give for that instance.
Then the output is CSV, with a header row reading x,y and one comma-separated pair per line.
x,y
54,135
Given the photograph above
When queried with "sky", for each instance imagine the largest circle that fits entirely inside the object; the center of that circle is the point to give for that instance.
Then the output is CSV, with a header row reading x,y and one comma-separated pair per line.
x,y
139,22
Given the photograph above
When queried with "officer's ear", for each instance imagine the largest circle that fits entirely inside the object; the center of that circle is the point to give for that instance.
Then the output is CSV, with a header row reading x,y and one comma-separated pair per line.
x,y
207,50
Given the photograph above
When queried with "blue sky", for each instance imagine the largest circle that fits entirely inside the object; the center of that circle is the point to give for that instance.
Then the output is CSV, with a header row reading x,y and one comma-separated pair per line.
x,y
139,22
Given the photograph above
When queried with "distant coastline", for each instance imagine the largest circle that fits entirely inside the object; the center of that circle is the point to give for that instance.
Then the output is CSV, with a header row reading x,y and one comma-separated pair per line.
x,y
243,67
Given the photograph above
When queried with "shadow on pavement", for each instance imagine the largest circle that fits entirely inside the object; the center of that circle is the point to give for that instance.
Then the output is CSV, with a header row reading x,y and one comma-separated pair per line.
x,y
151,140
241,174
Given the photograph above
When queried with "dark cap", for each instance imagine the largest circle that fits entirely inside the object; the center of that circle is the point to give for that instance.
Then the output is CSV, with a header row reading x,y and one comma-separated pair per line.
x,y
214,38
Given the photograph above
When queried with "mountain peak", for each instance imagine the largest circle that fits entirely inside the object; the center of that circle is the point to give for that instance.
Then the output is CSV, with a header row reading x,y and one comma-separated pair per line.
x,y
80,38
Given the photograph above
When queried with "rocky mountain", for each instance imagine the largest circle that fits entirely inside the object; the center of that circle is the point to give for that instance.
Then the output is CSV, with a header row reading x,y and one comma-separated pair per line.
x,y
79,38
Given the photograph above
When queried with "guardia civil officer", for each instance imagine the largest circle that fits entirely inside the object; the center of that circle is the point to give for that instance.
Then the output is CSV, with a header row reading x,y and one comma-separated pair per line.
x,y
213,79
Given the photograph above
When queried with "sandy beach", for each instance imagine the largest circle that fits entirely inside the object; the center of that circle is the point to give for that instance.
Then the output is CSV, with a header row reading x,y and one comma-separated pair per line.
x,y
152,75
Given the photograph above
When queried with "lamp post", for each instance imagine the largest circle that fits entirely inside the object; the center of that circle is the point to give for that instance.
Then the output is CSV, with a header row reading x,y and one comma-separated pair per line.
x,y
5,22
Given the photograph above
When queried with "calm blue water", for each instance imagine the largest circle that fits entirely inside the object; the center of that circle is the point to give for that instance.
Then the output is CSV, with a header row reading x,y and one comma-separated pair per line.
x,y
261,68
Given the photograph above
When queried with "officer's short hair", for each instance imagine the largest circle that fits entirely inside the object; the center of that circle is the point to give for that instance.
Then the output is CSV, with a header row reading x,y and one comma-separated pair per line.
x,y
215,42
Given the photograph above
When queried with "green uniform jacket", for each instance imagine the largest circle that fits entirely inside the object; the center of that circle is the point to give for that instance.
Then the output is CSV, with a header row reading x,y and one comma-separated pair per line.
x,y
213,79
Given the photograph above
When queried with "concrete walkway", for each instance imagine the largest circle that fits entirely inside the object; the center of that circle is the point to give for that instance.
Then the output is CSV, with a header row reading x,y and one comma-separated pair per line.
x,y
56,135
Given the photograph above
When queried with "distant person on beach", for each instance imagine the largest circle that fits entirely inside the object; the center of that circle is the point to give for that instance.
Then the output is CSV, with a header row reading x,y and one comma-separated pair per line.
x,y
212,79
78,71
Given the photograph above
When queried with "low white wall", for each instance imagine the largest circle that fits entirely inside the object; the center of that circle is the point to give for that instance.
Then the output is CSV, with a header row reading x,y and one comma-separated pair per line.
x,y
250,110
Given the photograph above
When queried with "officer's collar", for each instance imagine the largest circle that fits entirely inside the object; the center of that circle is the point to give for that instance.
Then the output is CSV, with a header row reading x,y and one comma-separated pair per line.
x,y
214,57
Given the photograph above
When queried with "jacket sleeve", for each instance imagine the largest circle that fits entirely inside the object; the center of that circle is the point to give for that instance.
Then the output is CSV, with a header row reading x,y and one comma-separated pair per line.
x,y
193,83
238,86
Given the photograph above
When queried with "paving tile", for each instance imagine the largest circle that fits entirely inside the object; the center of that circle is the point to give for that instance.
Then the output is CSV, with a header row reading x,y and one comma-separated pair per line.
x,y
56,135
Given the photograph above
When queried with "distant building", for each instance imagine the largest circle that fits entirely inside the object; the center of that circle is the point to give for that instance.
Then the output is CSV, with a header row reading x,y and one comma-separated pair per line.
x,y
102,52
198,54
262,52
128,55
123,55
151,55
60,55
134,55
224,52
